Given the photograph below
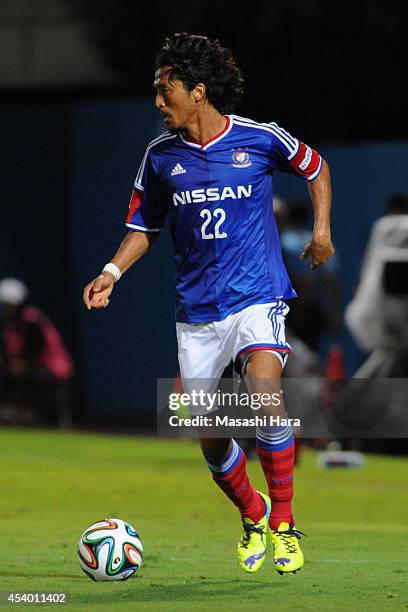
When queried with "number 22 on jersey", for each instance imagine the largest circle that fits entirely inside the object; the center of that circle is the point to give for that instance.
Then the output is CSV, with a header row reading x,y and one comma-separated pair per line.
x,y
219,215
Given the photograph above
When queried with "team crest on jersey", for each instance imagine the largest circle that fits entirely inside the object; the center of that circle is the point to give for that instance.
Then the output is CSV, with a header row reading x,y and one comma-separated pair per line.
x,y
240,159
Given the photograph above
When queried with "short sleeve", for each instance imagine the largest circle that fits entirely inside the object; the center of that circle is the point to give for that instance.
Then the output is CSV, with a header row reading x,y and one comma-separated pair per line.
x,y
288,154
148,204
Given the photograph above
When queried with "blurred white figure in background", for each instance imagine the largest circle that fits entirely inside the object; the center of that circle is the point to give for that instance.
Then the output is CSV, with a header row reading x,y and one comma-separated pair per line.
x,y
377,317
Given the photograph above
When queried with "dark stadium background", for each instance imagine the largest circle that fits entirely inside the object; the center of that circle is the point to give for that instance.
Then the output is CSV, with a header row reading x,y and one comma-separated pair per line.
x,y
77,111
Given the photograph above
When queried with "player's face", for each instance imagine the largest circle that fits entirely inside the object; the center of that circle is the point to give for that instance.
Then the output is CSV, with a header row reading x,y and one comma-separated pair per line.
x,y
176,105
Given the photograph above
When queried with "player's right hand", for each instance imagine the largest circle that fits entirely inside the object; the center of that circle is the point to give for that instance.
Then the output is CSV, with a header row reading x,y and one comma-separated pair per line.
x,y
96,293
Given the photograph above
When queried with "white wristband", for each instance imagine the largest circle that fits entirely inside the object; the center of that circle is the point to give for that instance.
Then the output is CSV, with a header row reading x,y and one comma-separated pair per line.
x,y
113,269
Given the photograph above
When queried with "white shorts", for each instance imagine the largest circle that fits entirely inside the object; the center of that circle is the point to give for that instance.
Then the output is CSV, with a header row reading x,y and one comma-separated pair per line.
x,y
206,349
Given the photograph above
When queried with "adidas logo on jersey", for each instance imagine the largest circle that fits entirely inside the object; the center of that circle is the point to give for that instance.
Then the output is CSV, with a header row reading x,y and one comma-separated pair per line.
x,y
178,169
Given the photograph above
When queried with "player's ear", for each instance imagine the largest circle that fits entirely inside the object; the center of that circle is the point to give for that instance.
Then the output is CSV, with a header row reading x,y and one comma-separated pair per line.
x,y
199,93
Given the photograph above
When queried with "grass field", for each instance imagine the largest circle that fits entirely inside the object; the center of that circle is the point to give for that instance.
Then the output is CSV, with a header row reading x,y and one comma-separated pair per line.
x,y
54,485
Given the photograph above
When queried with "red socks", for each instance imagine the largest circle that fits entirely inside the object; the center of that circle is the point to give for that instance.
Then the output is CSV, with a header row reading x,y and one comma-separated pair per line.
x,y
276,451
232,478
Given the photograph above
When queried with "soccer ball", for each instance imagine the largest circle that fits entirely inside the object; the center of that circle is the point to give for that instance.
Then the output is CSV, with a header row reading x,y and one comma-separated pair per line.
x,y
110,550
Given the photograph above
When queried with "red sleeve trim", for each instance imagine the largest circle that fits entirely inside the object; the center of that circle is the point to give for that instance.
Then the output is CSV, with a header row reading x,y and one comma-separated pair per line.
x,y
135,203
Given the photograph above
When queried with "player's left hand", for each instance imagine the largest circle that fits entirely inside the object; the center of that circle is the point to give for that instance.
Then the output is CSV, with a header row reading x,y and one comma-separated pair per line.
x,y
319,249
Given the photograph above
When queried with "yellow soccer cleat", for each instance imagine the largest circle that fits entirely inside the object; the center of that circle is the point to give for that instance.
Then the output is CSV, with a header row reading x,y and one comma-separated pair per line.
x,y
288,556
252,545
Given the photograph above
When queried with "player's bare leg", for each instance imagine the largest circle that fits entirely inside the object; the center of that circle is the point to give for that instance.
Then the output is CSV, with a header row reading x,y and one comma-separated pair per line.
x,y
276,451
227,462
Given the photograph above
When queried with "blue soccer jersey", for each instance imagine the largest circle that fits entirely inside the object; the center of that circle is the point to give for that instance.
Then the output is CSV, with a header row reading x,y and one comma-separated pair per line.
x,y
219,198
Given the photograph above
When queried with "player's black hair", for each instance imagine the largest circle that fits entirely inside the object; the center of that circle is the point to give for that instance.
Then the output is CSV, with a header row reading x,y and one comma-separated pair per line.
x,y
196,59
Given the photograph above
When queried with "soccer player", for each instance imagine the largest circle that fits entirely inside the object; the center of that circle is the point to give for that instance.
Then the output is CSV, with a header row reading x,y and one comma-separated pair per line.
x,y
212,172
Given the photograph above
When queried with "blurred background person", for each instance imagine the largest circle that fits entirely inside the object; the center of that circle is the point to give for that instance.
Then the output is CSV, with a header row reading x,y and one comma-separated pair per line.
x,y
35,366
318,310
305,363
377,317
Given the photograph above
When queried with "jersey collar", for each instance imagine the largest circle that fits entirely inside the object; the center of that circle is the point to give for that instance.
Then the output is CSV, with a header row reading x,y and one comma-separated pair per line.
x,y
214,139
